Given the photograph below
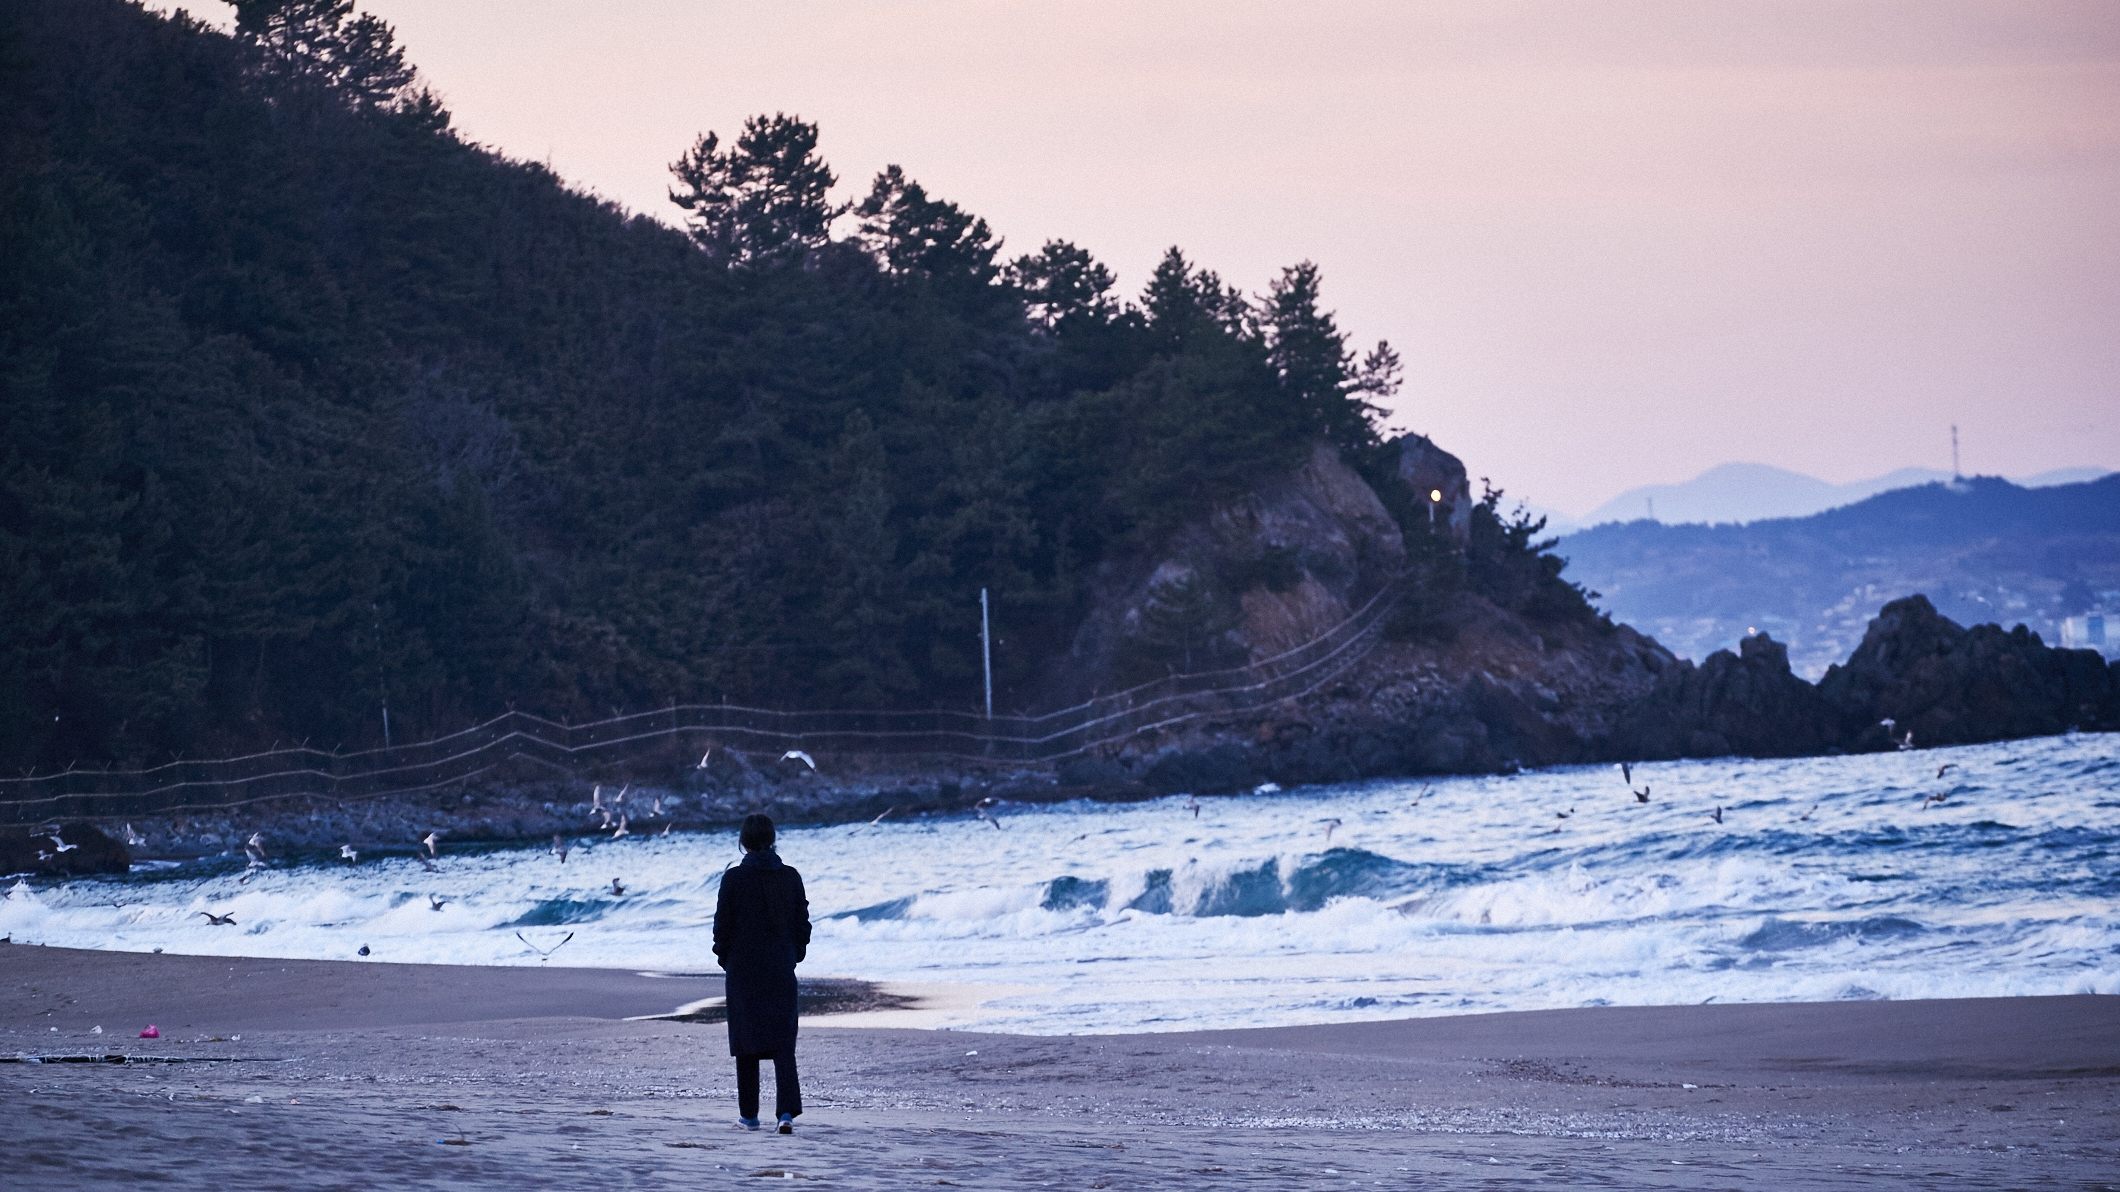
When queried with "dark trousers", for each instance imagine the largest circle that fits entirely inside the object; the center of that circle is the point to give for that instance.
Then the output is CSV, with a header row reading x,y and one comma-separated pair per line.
x,y
787,1091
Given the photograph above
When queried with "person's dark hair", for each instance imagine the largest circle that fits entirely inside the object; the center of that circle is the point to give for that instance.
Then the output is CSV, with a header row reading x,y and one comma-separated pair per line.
x,y
756,833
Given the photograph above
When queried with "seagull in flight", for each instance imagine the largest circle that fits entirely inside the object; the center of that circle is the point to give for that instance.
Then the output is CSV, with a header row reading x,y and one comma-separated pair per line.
x,y
545,952
436,902
1945,768
618,889
1192,804
59,845
880,816
559,848
132,838
1642,795
1806,816
1564,814
1330,824
596,798
255,848
214,920
797,755
1717,813
703,760
980,809
429,840
1626,774
352,855
621,829
1936,800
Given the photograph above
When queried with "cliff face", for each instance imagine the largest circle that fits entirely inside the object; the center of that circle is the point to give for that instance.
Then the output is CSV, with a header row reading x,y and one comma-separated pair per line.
x,y
1255,577
1471,687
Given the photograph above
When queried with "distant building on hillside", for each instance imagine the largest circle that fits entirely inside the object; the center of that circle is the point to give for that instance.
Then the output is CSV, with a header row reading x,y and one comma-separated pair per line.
x,y
2088,632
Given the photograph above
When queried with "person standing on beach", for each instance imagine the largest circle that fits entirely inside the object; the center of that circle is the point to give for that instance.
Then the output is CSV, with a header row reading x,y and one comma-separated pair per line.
x,y
761,932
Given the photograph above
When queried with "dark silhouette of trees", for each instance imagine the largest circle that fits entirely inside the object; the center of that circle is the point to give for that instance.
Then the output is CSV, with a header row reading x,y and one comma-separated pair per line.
x,y
1309,354
911,234
320,43
1063,284
762,201
310,407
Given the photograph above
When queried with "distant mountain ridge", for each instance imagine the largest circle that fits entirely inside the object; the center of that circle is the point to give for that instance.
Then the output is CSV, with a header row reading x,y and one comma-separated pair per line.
x,y
1749,492
1981,549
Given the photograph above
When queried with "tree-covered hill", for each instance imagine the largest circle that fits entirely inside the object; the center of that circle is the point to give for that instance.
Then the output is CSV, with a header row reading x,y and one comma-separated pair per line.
x,y
1982,550
312,409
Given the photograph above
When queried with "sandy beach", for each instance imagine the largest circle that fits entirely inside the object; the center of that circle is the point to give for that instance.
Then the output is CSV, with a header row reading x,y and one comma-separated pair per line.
x,y
328,1074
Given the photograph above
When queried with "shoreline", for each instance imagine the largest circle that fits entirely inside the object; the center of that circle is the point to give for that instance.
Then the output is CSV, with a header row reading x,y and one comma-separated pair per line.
x,y
442,1075
200,990
527,814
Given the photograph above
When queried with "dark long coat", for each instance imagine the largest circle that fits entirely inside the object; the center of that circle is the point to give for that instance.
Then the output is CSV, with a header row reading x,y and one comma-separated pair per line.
x,y
761,932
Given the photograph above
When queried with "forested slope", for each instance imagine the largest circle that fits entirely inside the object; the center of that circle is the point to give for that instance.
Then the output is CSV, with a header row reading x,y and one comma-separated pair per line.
x,y
311,409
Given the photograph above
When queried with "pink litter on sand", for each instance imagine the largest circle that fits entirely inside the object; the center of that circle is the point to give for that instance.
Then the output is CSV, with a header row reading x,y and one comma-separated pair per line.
x,y
150,1032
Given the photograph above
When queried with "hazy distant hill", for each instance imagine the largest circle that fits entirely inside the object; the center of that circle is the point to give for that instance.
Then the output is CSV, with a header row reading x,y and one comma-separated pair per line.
x,y
1982,549
1747,492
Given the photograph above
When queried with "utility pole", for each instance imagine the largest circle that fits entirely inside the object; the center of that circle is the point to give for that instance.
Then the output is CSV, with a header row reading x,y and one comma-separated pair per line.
x,y
382,687
1955,473
986,653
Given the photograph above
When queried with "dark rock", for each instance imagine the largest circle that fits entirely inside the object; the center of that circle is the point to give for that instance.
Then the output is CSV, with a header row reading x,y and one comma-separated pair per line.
x,y
1453,744
1213,770
1251,578
1517,727
38,851
1749,702
1436,480
1094,773
1949,685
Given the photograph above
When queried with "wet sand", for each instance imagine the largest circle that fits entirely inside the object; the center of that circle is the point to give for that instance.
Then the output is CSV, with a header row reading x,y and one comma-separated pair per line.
x,y
328,1074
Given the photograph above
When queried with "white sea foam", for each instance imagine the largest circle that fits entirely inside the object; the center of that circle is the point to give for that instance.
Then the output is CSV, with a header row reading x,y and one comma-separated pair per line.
x,y
1140,916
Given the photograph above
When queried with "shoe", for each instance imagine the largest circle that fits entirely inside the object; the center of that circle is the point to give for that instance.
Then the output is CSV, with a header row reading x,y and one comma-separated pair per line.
x,y
747,1123
787,1123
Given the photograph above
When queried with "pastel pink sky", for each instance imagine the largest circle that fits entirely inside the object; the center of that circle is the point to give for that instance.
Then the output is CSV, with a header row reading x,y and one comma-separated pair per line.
x,y
1616,243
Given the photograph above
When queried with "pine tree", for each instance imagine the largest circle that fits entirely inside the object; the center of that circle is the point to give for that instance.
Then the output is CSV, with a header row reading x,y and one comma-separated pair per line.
x,y
911,234
1063,283
1309,354
765,200
314,41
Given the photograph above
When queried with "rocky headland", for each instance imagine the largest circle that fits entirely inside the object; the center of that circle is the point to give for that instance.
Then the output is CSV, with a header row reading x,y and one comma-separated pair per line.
x,y
1452,672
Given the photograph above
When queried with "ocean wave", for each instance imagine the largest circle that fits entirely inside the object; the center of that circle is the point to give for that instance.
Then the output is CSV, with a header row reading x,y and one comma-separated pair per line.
x,y
1826,880
562,912
1787,935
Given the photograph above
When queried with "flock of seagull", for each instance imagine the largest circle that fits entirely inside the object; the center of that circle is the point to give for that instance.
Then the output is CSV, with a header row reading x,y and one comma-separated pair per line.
x,y
613,817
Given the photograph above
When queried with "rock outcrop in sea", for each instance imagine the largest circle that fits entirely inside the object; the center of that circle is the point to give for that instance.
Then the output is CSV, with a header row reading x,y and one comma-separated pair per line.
x,y
1951,685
